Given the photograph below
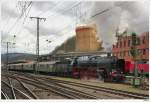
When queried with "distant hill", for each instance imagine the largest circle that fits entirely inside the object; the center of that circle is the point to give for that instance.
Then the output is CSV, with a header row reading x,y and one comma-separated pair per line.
x,y
17,57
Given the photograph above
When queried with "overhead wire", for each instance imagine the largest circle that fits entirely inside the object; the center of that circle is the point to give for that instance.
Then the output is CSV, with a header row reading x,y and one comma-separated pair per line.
x,y
77,4
17,19
101,12
24,20
68,26
52,8
66,9
74,5
25,16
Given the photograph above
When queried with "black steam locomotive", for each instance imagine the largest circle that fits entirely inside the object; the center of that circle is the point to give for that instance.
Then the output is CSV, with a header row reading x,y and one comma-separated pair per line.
x,y
106,68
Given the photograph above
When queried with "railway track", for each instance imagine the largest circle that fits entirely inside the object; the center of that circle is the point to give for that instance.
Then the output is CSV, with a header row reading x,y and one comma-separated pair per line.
x,y
12,92
97,88
104,89
12,89
50,82
4,95
56,88
17,92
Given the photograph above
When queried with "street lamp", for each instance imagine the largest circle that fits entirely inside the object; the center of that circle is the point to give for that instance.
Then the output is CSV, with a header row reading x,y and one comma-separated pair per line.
x,y
48,41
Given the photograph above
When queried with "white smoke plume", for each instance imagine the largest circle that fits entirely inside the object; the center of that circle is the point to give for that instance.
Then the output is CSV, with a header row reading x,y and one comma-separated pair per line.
x,y
132,16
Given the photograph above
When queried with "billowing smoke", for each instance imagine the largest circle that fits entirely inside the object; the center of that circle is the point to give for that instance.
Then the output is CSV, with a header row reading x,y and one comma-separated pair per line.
x,y
132,16
135,15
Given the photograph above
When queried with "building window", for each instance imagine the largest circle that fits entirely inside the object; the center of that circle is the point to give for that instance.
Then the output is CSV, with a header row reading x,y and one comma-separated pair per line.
x,y
144,51
129,54
129,41
117,54
124,53
117,45
139,51
114,46
143,40
121,54
124,43
120,44
147,50
138,41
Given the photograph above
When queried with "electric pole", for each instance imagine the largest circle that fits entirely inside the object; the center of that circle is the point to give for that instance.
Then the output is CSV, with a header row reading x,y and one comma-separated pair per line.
x,y
37,41
7,54
134,54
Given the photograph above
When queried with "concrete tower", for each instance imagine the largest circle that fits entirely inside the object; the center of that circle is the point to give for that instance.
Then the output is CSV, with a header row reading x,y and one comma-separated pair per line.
x,y
86,39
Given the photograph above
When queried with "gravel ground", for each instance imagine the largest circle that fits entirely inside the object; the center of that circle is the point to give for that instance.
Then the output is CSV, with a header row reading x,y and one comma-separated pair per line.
x,y
43,94
98,94
124,87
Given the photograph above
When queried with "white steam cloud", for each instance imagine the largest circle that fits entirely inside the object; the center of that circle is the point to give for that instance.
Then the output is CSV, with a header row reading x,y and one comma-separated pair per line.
x,y
123,15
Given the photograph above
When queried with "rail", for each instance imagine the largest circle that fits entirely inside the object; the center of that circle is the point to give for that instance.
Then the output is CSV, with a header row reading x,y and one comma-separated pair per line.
x,y
4,95
17,90
99,88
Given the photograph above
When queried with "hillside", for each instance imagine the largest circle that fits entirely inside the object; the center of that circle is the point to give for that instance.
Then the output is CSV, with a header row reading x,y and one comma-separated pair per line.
x,y
17,57
68,46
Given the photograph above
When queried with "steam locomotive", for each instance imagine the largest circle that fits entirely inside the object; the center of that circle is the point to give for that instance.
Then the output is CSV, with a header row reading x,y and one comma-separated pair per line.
x,y
104,68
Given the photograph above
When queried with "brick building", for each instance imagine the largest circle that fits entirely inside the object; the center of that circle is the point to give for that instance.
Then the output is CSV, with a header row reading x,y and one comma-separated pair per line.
x,y
123,46
86,39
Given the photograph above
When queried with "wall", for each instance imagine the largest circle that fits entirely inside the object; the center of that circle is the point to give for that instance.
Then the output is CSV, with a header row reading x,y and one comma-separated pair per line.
x,y
123,46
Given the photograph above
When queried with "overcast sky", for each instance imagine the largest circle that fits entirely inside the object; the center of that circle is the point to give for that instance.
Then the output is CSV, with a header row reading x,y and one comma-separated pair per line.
x,y
61,19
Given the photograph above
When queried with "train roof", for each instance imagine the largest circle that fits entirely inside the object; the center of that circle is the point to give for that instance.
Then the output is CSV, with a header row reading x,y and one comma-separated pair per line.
x,y
29,63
